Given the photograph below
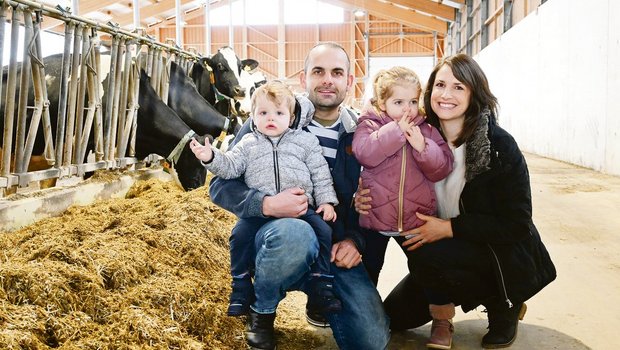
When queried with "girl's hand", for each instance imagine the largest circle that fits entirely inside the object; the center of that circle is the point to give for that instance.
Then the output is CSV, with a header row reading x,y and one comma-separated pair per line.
x,y
405,123
203,153
434,229
362,199
329,214
415,138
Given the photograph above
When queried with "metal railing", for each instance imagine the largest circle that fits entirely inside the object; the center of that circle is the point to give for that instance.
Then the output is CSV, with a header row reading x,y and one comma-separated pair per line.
x,y
85,122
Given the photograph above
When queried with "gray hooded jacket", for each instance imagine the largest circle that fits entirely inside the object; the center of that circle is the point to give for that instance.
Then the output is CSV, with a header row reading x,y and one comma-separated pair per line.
x,y
274,164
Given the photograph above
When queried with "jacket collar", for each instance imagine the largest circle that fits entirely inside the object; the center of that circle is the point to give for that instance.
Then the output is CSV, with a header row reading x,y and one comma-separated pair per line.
x,y
478,149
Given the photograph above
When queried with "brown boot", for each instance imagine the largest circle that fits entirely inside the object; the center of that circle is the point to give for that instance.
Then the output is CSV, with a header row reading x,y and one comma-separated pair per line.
x,y
442,328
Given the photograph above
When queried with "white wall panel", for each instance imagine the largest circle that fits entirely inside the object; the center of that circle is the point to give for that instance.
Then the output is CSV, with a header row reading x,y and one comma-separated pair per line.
x,y
612,146
558,89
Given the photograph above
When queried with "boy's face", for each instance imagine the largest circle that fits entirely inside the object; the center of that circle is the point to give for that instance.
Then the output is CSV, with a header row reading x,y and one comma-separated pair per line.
x,y
269,118
404,99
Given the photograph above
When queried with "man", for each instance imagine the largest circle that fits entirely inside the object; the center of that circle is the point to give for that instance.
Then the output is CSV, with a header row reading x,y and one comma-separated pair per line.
x,y
286,247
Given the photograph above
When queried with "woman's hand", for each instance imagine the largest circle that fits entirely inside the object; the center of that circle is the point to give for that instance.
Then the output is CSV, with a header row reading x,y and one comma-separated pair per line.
x,y
432,230
362,199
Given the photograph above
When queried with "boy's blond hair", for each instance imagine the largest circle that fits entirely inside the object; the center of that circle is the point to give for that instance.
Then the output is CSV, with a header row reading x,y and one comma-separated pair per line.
x,y
277,92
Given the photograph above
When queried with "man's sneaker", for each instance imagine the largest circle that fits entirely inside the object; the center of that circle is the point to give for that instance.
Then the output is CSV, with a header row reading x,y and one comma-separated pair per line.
x,y
321,297
259,333
316,319
241,297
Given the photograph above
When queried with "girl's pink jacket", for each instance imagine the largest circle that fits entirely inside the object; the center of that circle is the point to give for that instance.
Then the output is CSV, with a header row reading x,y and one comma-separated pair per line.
x,y
401,179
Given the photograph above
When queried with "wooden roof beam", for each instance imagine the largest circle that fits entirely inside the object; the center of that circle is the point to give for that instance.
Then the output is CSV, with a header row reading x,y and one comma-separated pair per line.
x,y
430,7
396,14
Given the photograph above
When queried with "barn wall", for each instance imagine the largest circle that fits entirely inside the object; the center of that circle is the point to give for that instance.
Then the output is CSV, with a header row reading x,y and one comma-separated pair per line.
x,y
558,83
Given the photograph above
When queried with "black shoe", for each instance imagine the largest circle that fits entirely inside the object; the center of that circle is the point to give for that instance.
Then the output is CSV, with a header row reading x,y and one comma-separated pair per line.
x,y
260,333
241,297
503,324
321,298
316,319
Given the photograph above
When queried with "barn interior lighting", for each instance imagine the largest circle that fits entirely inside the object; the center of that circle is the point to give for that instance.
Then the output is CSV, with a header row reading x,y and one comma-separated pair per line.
x,y
359,13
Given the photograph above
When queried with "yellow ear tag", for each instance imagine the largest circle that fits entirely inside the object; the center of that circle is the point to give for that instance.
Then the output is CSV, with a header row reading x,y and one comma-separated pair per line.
x,y
166,167
212,77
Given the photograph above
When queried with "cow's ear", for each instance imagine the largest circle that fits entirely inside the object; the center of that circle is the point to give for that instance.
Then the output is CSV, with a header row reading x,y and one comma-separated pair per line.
x,y
249,64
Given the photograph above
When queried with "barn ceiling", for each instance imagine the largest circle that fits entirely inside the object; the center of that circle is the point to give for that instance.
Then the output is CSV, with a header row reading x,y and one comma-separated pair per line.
x,y
427,15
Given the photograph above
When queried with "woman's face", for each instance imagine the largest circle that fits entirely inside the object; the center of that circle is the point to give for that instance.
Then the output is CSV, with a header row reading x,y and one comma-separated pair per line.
x,y
449,97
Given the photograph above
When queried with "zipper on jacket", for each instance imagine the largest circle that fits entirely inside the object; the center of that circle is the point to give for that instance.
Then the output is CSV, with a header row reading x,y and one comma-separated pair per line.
x,y
501,277
499,267
276,166
401,189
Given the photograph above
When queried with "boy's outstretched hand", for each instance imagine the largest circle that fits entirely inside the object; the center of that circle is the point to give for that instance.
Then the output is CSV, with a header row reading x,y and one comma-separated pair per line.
x,y
203,153
329,214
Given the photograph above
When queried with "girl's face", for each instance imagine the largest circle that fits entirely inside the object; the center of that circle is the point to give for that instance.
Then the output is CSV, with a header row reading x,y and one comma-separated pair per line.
x,y
269,118
404,100
449,97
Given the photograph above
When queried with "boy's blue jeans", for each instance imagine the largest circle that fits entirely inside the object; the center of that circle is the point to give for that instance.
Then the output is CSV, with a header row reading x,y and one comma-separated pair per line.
x,y
285,250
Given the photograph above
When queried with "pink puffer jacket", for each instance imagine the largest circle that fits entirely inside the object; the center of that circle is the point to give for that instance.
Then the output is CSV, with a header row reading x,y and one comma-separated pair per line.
x,y
401,179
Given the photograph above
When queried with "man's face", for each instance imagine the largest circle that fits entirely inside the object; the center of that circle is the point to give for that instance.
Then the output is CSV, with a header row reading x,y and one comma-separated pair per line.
x,y
326,79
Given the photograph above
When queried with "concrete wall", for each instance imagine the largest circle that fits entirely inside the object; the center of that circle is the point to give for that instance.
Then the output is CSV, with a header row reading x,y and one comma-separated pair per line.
x,y
557,76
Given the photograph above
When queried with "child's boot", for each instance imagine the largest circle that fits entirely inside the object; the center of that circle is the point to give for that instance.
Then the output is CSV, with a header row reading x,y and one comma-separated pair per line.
x,y
241,297
442,328
321,297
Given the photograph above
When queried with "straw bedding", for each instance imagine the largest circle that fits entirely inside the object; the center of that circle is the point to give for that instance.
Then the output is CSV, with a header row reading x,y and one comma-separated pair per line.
x,y
148,271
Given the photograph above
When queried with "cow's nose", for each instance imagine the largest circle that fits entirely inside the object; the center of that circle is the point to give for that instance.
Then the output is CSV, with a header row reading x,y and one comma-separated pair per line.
x,y
239,91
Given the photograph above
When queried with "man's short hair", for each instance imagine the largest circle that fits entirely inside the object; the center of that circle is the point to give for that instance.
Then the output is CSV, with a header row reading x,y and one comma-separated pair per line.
x,y
331,45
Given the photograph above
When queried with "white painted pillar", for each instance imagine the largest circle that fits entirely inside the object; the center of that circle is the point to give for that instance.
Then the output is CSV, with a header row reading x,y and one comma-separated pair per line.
x,y
231,30
179,22
136,14
207,29
75,7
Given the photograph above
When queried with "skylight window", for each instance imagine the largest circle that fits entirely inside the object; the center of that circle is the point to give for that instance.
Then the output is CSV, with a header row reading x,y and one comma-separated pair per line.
x,y
263,12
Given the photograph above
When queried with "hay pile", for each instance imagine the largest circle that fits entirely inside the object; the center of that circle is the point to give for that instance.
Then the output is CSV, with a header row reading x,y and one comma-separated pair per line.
x,y
147,271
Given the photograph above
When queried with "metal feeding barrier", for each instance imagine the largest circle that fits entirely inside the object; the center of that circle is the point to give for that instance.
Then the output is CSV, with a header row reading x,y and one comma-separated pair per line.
x,y
87,119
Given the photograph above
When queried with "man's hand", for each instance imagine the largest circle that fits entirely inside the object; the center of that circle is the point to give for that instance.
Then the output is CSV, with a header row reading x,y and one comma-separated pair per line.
x,y
290,203
345,254
362,199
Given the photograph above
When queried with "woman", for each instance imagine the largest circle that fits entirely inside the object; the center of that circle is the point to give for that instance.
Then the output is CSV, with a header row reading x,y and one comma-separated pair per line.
x,y
484,247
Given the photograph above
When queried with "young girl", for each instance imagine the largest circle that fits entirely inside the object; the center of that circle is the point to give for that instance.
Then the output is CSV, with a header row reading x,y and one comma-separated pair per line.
x,y
403,156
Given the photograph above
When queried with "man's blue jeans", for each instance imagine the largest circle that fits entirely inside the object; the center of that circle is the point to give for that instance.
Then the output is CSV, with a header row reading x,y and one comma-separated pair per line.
x,y
285,250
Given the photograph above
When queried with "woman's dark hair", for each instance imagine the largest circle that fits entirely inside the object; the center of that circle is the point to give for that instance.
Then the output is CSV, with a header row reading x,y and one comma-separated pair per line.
x,y
467,71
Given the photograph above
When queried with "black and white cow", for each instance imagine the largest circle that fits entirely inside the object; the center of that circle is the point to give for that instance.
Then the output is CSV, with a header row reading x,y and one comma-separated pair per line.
x,y
193,109
217,78
161,131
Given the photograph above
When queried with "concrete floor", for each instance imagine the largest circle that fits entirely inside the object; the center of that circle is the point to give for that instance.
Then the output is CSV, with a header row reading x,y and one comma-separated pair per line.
x,y
577,212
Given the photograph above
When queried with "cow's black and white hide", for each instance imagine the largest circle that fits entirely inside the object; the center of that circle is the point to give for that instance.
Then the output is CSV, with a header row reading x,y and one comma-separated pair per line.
x,y
161,131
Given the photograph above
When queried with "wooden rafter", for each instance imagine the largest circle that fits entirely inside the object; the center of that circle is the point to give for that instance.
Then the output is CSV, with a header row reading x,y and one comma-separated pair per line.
x,y
430,7
396,14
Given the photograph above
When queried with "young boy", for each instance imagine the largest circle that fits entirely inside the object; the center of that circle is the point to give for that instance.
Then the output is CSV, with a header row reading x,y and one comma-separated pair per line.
x,y
274,158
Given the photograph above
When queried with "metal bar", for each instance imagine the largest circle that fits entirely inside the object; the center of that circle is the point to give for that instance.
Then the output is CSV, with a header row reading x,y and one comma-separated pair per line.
x,y
107,121
73,87
122,116
9,106
22,106
81,97
98,134
47,125
93,101
2,27
116,91
64,94
38,84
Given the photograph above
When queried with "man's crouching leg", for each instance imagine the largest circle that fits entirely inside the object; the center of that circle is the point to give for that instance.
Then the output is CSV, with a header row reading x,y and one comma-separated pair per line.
x,y
285,249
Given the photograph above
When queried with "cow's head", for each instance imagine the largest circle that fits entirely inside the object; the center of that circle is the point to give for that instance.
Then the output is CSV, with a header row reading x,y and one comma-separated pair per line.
x,y
250,80
160,130
226,68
